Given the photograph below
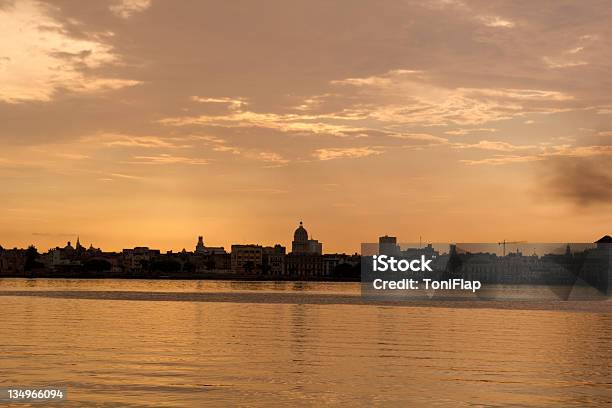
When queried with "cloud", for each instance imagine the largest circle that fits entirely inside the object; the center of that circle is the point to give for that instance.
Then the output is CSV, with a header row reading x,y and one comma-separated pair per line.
x,y
549,153
568,58
166,158
295,123
123,176
497,22
72,156
40,57
381,104
127,8
562,62
233,103
122,140
404,97
582,181
463,132
501,160
273,159
493,145
261,191
346,153
418,141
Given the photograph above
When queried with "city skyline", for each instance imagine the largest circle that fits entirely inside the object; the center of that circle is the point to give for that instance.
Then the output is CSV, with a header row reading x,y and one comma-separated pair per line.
x,y
140,120
306,244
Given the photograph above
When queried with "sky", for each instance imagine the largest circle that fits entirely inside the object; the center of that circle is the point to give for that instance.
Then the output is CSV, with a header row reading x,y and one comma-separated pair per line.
x,y
150,122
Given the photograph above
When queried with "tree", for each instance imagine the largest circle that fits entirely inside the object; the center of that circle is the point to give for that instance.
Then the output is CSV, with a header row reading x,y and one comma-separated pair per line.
x,y
97,265
31,259
166,266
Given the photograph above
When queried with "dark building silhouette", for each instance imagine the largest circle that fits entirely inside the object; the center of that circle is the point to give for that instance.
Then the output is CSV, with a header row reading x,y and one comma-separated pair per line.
x,y
597,267
388,245
301,244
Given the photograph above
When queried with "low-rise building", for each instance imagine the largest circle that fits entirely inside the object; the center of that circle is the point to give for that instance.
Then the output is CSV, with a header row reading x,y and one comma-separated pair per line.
x,y
274,260
247,259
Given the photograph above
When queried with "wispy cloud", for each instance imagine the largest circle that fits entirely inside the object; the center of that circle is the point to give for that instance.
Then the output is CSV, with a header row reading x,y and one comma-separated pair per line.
x,y
121,140
127,8
296,123
261,190
39,57
552,152
233,103
494,145
423,137
346,153
412,98
497,22
125,176
72,156
463,132
166,158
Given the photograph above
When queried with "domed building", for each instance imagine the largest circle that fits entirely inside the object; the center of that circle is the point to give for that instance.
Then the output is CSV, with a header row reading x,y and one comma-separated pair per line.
x,y
302,245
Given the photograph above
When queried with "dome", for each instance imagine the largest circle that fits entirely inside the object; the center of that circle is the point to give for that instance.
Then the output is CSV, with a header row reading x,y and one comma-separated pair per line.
x,y
300,235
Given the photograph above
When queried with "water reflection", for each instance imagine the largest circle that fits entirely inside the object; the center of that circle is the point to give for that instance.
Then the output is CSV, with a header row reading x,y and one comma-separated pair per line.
x,y
183,353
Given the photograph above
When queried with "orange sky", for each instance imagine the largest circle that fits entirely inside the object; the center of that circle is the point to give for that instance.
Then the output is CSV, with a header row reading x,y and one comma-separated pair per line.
x,y
149,122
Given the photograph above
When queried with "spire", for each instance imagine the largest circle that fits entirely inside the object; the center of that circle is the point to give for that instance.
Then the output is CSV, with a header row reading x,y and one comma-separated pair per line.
x,y
78,244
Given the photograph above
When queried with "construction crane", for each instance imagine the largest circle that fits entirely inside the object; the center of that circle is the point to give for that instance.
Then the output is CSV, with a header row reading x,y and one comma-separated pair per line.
x,y
504,242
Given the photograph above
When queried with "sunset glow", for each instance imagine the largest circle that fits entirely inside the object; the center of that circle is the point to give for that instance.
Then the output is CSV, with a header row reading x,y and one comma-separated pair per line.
x,y
152,122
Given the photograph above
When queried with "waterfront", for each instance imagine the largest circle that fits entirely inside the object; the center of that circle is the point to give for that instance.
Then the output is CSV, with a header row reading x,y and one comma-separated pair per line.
x,y
197,343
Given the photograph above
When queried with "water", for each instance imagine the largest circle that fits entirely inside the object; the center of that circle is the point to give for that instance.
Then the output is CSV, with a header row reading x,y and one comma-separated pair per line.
x,y
207,343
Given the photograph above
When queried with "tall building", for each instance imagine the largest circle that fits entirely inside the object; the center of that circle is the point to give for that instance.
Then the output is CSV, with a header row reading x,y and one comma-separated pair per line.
x,y
301,244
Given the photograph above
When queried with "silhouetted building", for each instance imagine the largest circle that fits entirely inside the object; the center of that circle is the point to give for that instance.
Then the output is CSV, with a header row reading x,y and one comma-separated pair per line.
x,y
202,249
412,253
387,245
305,265
301,244
331,263
12,262
200,245
139,258
597,267
274,260
247,259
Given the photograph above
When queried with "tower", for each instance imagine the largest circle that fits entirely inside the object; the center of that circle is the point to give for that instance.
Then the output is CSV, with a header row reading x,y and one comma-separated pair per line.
x,y
78,245
200,248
